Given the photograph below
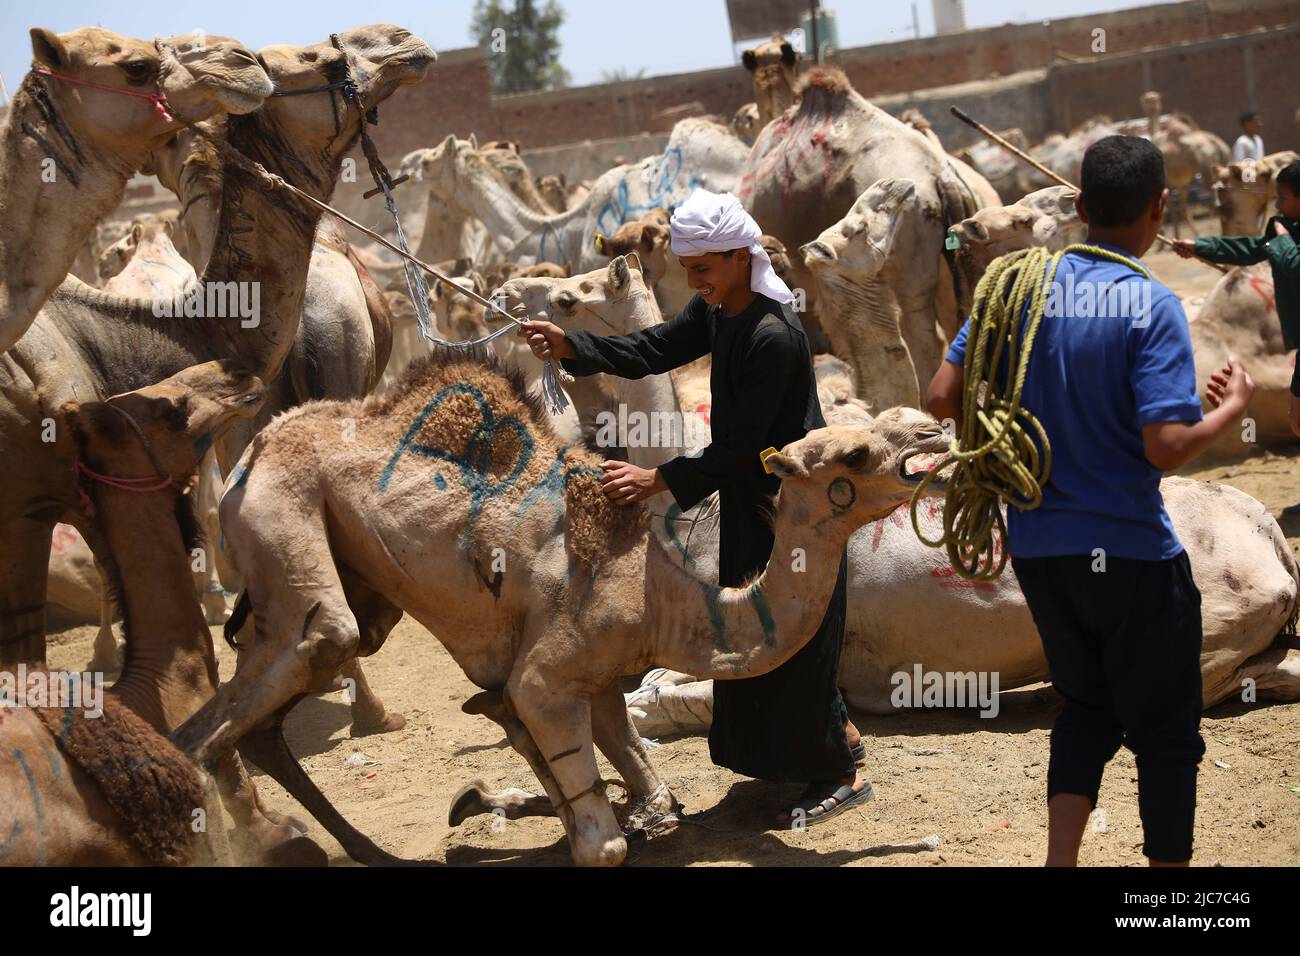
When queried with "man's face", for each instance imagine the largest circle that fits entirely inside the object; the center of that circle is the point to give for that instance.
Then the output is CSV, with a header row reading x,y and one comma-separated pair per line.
x,y
716,275
1253,126
1288,203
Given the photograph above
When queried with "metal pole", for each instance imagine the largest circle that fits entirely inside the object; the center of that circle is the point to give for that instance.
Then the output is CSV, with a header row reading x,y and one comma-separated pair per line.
x,y
812,19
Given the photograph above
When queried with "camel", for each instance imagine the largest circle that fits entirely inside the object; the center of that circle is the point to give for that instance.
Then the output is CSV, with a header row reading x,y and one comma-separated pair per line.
x,y
554,192
66,152
113,790
744,123
700,152
595,598
1188,151
774,67
85,343
984,193
810,165
1244,192
145,264
858,312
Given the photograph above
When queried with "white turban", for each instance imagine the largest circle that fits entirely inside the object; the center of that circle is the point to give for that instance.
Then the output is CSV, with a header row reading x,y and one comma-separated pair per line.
x,y
717,222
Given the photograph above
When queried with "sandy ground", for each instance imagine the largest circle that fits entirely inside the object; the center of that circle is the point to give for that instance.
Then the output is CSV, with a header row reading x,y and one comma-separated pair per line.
x,y
978,784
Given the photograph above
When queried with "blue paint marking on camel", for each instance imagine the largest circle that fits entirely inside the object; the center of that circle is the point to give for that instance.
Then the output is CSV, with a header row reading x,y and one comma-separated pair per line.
x,y
661,193
9,840
203,442
711,593
475,462
36,803
237,475
439,482
764,613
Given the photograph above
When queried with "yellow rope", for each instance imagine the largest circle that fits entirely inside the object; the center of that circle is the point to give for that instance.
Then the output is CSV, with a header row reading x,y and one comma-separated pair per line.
x,y
994,456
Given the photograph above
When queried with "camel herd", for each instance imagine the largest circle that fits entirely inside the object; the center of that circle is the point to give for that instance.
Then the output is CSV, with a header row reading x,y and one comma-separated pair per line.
x,y
320,460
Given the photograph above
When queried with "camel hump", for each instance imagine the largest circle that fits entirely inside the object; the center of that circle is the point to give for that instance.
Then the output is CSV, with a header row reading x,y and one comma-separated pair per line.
x,y
151,786
596,529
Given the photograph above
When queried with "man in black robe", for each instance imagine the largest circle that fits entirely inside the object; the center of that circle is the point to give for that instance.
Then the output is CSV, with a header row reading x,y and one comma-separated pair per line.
x,y
789,724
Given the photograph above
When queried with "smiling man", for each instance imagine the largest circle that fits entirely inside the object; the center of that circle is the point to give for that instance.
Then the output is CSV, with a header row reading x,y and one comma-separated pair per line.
x,y
788,725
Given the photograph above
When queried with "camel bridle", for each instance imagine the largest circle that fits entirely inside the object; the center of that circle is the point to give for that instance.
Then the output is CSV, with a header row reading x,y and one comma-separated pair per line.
x,y
141,484
158,99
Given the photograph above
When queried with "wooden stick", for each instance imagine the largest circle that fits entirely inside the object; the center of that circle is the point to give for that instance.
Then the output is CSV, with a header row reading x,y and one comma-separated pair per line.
x,y
1022,155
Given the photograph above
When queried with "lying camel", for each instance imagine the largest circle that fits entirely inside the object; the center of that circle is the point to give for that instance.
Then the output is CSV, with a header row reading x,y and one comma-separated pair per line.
x,y
553,593
1244,192
112,790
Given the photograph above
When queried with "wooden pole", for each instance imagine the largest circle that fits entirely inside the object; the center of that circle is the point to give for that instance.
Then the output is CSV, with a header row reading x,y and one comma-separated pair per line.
x,y
1025,157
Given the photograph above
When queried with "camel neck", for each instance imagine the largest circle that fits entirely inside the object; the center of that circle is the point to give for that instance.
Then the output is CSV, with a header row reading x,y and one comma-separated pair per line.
x,y
506,216
56,184
170,668
729,633
264,238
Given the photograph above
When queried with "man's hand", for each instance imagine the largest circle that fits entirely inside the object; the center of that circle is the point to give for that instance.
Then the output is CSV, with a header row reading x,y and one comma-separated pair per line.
x,y
1185,247
547,340
625,483
1295,415
1231,388
1278,228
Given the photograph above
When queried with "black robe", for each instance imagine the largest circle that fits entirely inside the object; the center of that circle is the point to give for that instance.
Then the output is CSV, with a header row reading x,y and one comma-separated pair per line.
x,y
788,724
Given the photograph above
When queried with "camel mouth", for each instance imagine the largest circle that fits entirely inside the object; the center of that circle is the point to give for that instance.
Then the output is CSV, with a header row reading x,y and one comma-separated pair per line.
x,y
817,252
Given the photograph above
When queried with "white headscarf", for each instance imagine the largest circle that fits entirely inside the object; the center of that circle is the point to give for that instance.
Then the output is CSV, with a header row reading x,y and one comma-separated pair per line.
x,y
717,222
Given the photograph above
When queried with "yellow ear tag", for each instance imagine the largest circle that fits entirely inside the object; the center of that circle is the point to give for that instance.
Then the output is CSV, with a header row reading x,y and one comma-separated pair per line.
x,y
763,457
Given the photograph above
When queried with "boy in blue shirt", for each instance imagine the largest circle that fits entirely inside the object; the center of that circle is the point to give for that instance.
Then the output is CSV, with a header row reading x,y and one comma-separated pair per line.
x,y
1109,585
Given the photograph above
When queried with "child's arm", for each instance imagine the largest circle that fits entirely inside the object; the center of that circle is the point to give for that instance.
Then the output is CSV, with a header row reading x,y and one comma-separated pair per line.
x,y
1230,250
1283,253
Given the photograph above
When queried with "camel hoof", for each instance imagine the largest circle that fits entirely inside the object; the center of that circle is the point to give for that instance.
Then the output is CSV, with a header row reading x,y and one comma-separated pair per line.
x,y
467,803
298,851
390,723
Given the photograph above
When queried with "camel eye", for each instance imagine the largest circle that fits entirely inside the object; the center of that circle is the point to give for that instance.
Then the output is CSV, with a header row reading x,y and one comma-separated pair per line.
x,y
566,301
856,458
137,71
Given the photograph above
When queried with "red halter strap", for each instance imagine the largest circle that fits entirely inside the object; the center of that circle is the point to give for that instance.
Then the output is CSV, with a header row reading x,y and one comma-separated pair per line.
x,y
158,100
144,483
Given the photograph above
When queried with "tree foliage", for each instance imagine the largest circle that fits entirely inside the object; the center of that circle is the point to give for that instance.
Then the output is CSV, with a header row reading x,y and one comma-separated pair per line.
x,y
522,44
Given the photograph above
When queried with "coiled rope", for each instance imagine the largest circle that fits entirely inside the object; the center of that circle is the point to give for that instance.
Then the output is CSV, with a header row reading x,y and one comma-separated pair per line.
x,y
995,457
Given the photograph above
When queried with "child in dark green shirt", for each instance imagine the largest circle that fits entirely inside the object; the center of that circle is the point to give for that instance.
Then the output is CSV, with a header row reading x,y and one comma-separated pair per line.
x,y
1279,246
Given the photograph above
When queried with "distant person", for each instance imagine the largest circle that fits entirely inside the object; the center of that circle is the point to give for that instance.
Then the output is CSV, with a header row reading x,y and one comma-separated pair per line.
x,y
1279,246
1248,144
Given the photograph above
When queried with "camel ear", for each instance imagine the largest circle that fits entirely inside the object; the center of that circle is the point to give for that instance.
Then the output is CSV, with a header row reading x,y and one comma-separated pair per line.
x,y
169,227
137,232
48,49
787,54
436,292
462,266
563,183
634,262
749,59
473,141
783,466
619,273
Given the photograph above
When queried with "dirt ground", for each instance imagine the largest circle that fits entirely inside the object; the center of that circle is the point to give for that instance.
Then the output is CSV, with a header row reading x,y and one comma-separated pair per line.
x,y
977,784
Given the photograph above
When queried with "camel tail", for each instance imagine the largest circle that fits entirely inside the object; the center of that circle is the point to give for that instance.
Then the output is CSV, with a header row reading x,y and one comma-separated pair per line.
x,y
238,616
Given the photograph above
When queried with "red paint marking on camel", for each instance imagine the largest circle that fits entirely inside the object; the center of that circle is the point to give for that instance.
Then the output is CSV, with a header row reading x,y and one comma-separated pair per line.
x,y
792,150
64,537
704,411
1264,289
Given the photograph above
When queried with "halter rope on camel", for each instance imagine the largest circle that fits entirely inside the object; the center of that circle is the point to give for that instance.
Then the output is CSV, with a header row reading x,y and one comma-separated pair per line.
x,y
556,400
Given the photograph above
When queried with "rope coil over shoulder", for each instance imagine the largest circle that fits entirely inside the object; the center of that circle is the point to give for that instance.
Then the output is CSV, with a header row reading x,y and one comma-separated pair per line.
x,y
995,457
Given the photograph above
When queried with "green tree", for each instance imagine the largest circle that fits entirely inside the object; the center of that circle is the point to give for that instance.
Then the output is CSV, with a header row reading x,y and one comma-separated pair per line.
x,y
522,44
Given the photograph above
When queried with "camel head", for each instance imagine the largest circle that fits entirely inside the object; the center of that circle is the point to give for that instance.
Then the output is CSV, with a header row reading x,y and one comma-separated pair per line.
x,y
144,235
449,165
609,301
200,76
1243,192
745,123
648,237
459,318
378,59
554,192
179,418
1044,218
858,245
855,474
773,66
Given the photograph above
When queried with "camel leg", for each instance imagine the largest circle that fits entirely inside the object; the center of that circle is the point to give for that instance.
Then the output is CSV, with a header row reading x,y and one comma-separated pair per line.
x,y
473,800
1275,673
560,723
368,713
265,746
24,573
272,838
648,797
109,653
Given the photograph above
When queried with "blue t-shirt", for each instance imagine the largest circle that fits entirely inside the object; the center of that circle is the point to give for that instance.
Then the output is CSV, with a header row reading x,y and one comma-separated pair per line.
x,y
1113,353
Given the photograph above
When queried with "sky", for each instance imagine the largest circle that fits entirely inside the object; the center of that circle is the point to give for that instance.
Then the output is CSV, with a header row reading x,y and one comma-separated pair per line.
x,y
598,36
